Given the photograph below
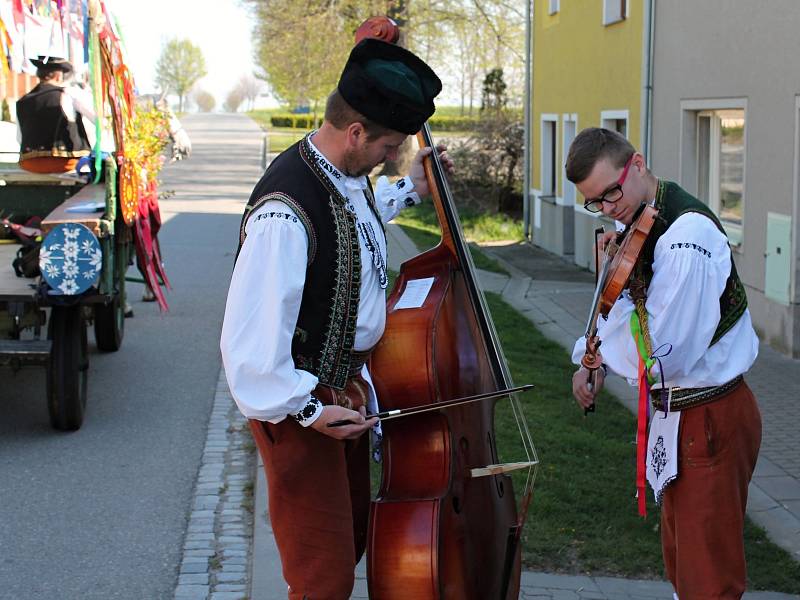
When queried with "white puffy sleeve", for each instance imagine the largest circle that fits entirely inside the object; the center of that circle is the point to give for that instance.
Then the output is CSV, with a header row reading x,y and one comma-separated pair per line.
x,y
261,314
391,198
690,269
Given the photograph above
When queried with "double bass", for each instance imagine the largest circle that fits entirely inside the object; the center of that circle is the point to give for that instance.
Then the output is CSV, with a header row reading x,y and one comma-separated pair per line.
x,y
445,522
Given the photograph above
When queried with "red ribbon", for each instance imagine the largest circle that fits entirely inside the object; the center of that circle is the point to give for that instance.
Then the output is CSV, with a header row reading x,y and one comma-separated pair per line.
x,y
641,440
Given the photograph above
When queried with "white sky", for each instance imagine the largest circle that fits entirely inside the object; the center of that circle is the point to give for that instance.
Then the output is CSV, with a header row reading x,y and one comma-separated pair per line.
x,y
222,29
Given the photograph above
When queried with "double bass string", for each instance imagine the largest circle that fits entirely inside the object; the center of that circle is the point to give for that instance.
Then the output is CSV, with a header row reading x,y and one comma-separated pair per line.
x,y
484,315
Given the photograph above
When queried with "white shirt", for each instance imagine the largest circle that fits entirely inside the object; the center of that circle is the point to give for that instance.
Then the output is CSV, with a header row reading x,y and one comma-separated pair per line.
x,y
692,262
267,287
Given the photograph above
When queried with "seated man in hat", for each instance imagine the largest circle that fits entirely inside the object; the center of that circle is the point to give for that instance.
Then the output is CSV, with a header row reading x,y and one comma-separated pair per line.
x,y
307,304
53,137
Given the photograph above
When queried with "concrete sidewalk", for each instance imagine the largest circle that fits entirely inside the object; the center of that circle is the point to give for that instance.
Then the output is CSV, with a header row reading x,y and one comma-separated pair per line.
x,y
555,295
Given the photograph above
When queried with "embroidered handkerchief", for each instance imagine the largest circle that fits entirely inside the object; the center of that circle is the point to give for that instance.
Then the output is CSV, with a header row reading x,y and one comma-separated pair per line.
x,y
662,451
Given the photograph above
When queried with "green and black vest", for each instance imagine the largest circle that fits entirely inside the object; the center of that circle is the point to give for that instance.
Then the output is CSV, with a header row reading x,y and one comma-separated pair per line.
x,y
326,326
672,201
45,129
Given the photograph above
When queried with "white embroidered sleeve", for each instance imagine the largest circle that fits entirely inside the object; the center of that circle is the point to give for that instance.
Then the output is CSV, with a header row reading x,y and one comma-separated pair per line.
x,y
691,266
260,317
391,198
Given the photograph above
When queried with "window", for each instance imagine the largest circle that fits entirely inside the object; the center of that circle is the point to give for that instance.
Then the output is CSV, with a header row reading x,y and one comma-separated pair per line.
x,y
614,11
553,6
720,166
569,124
615,120
548,164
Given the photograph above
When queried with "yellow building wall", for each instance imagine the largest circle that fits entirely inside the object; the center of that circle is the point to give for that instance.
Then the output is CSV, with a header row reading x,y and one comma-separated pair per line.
x,y
582,67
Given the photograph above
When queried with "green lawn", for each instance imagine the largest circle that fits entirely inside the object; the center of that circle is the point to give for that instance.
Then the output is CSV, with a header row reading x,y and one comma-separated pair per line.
x,y
421,225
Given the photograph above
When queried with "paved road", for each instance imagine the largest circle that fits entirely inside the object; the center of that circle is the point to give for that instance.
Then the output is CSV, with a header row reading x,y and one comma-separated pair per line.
x,y
102,512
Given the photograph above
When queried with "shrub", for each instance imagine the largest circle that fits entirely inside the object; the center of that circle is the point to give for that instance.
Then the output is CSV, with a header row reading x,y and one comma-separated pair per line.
x,y
437,123
295,121
452,123
489,164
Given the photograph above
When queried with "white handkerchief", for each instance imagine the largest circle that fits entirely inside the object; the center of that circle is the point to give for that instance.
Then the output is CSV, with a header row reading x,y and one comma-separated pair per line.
x,y
662,451
372,408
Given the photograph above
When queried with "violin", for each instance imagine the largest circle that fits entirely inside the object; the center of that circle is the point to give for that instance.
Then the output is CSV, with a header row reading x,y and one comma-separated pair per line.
x,y
445,521
614,274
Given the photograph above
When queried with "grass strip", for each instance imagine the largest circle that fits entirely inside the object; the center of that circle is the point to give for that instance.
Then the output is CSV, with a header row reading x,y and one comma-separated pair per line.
x,y
421,226
478,226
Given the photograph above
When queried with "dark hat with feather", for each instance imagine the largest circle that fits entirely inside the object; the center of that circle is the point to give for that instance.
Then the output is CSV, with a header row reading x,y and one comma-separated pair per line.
x,y
52,63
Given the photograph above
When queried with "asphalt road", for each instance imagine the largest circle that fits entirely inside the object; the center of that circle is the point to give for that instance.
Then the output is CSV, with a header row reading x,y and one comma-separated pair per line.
x,y
102,512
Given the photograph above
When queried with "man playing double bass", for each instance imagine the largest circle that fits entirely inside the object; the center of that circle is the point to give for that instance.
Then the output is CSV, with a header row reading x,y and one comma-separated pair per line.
x,y
685,297
307,304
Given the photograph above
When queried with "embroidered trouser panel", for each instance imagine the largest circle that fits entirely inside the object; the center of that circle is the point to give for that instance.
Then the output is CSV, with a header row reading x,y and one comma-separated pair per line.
x,y
702,516
318,495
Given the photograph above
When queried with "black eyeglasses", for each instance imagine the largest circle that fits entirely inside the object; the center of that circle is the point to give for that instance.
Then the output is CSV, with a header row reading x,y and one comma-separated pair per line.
x,y
612,194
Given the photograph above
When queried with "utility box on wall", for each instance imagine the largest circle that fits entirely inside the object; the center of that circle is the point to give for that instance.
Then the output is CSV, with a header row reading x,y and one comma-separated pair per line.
x,y
777,278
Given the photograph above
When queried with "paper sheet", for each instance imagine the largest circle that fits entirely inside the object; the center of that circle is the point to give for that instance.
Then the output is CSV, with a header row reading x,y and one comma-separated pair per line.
x,y
415,293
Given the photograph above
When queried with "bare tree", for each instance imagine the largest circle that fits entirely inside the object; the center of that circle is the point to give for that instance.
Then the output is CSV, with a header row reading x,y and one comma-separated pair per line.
x,y
205,100
301,46
249,87
233,100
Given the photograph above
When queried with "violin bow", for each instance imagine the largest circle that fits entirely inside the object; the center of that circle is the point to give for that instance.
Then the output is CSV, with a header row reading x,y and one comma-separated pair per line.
x,y
405,412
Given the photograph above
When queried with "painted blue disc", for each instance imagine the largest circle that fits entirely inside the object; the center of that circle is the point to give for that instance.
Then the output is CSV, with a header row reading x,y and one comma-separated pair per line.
x,y
70,259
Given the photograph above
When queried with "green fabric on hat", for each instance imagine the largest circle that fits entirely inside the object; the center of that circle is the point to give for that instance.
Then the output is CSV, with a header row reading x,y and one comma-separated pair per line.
x,y
397,77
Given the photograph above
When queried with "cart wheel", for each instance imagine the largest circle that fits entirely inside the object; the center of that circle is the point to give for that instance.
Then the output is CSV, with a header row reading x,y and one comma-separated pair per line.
x,y
68,368
109,324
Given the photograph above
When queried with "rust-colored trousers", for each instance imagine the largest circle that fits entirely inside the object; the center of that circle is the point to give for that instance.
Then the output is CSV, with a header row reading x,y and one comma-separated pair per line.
x,y
702,516
49,164
319,495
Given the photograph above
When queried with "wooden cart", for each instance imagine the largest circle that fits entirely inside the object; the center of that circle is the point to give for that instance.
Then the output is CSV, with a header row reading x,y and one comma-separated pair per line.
x,y
41,326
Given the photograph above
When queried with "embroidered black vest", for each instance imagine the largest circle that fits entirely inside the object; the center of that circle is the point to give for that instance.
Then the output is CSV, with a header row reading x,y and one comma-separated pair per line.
x,y
672,201
45,129
325,332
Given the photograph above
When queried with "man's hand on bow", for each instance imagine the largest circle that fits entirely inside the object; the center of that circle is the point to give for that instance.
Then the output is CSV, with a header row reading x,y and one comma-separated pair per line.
x,y
345,432
417,172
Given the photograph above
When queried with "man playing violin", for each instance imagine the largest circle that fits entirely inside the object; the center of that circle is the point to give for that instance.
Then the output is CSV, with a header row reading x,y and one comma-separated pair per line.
x,y
307,304
684,316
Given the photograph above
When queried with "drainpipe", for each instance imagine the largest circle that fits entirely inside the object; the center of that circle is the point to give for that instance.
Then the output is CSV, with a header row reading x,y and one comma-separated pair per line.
x,y
528,99
647,101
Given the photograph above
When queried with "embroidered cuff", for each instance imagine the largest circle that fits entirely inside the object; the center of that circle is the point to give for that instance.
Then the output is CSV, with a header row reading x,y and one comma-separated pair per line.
x,y
309,413
403,191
